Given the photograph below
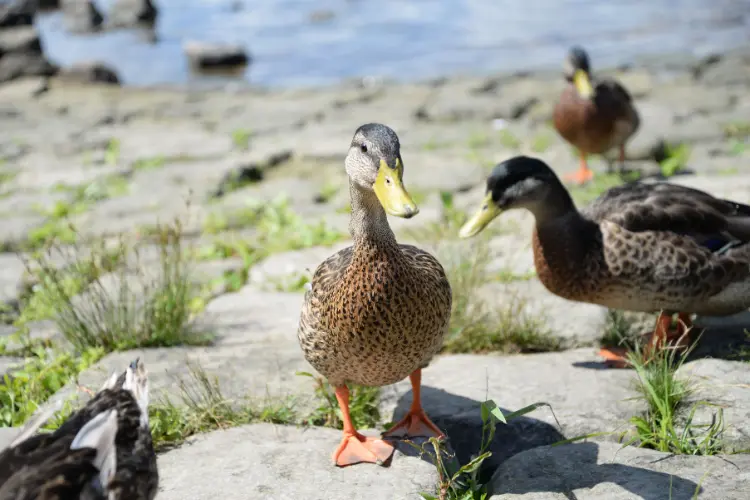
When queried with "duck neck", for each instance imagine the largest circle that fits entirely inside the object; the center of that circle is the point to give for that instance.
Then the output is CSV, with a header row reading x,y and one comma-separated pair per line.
x,y
368,224
558,204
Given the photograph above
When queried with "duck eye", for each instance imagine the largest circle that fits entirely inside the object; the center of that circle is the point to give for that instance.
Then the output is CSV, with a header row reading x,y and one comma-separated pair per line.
x,y
363,148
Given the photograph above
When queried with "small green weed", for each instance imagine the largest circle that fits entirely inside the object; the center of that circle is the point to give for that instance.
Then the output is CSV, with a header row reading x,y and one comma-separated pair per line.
x,y
509,140
462,482
241,138
293,283
112,152
149,163
327,192
676,160
541,142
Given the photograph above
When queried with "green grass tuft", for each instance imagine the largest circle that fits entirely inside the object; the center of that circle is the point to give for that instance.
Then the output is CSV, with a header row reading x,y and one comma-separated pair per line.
x,y
363,405
202,407
44,373
665,394
106,298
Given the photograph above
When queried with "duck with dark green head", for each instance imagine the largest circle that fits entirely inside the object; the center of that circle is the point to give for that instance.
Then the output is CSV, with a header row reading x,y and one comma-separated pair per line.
x,y
376,312
650,247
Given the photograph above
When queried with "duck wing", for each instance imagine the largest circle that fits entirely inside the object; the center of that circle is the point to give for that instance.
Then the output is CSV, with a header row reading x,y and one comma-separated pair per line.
x,y
711,222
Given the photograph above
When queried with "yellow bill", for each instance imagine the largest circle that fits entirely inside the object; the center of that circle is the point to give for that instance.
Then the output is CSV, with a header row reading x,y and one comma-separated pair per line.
x,y
480,219
582,83
391,191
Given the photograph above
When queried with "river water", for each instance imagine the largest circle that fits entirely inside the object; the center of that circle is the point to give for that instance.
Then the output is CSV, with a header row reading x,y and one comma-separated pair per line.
x,y
315,42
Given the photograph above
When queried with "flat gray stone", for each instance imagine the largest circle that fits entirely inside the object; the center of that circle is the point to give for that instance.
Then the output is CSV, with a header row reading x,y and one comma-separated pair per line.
x,y
11,272
7,435
725,384
585,397
267,461
589,471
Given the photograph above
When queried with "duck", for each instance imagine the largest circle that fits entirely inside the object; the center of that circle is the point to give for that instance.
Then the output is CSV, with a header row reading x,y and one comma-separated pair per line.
x,y
102,451
593,115
377,311
648,247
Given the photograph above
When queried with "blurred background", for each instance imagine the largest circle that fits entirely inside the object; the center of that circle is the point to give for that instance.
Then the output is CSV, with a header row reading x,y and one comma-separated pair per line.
x,y
306,42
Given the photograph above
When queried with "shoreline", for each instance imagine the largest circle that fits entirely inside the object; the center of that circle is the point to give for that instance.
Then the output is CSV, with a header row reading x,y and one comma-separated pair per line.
x,y
668,64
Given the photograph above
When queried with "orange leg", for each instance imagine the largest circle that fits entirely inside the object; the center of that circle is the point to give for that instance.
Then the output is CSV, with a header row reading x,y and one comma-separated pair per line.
x,y
416,421
355,447
583,175
663,334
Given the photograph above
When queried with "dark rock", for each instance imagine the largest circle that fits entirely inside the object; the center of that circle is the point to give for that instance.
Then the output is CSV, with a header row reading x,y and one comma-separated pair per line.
x,y
21,39
321,16
130,13
81,16
90,72
48,4
17,13
17,65
205,55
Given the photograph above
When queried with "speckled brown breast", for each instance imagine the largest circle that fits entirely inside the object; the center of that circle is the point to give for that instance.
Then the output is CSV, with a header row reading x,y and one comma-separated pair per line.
x,y
380,315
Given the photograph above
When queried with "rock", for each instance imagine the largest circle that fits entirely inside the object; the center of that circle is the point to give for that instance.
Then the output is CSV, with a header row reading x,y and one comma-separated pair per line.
x,y
17,13
267,461
11,273
17,65
130,13
726,385
21,39
49,4
21,54
589,471
90,72
207,55
584,397
81,16
7,435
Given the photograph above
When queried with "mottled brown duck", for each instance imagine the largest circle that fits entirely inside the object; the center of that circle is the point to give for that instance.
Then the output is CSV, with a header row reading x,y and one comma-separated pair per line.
x,y
376,311
594,115
650,247
102,451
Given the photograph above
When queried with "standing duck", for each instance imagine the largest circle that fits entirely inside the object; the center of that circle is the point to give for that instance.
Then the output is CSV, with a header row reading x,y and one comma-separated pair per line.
x,y
593,115
641,247
376,311
102,451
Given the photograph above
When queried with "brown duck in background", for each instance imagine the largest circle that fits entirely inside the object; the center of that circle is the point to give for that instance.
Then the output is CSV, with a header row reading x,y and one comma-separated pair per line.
x,y
102,451
594,115
641,247
377,311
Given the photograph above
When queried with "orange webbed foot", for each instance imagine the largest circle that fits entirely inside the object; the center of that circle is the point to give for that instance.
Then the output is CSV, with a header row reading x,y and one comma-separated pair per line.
x,y
416,424
356,448
580,176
